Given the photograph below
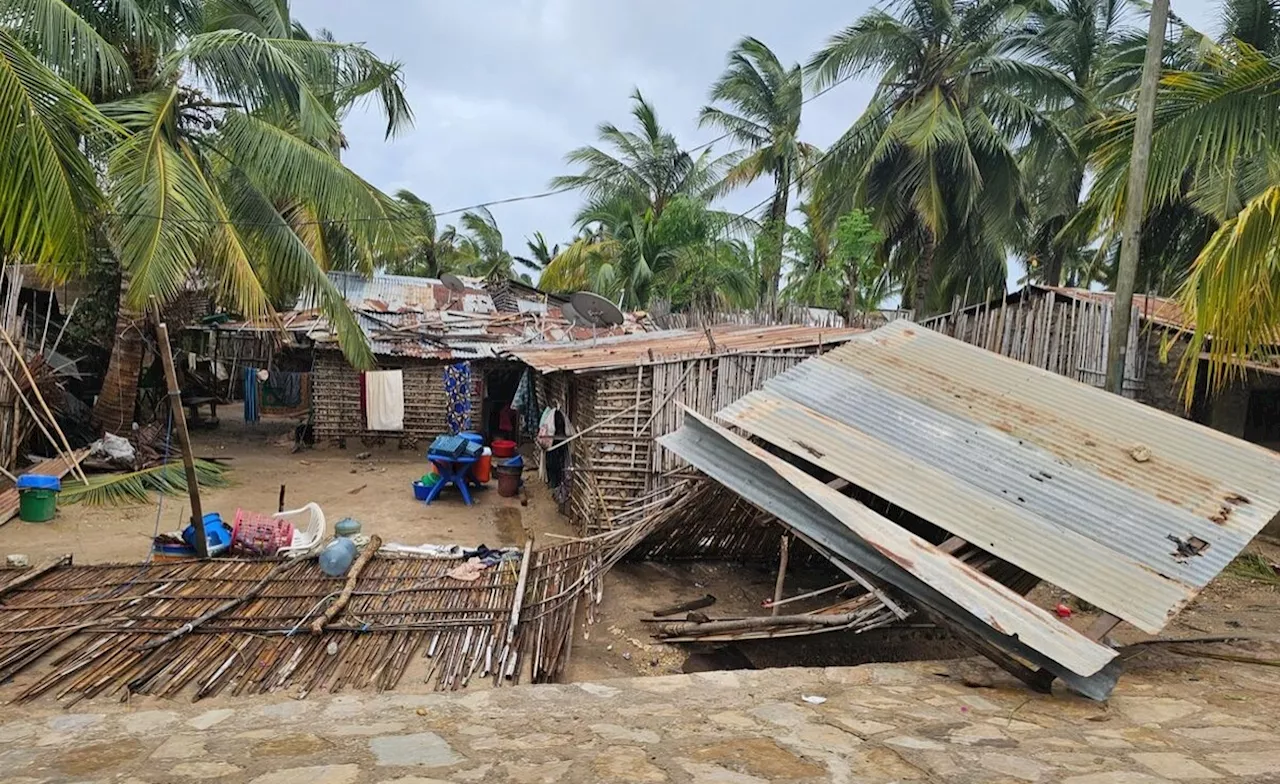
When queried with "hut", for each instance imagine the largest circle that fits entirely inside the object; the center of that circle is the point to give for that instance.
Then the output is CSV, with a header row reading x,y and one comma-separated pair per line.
x,y
606,400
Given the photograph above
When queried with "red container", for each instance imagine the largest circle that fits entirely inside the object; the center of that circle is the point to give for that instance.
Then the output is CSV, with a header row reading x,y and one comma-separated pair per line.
x,y
483,467
503,448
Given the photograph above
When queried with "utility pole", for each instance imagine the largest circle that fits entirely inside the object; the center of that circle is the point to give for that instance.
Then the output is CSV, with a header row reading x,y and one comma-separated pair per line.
x,y
1134,208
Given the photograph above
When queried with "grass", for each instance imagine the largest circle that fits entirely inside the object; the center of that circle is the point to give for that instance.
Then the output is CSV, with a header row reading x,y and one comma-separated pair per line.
x,y
1256,567
137,487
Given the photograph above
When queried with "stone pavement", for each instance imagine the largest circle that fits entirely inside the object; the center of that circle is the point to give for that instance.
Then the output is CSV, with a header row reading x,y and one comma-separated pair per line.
x,y
1183,720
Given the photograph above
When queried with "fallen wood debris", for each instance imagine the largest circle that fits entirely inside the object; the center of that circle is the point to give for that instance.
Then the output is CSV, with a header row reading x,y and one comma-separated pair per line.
x,y
239,627
692,604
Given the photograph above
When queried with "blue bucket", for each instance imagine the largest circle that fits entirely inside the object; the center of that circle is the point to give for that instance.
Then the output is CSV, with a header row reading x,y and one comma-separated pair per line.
x,y
420,491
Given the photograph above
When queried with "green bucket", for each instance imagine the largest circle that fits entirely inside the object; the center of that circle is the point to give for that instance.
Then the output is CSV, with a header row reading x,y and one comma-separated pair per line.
x,y
37,498
37,506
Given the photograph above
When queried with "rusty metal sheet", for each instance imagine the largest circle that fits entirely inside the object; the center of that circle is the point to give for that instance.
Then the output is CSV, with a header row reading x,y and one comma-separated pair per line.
x,y
672,345
1129,508
889,552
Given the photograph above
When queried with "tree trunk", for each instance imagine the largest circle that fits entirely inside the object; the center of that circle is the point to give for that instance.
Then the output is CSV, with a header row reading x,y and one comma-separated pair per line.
x,y
778,227
924,275
113,411
851,293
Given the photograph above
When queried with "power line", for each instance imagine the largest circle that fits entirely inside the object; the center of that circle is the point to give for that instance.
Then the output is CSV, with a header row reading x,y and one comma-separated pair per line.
x,y
455,210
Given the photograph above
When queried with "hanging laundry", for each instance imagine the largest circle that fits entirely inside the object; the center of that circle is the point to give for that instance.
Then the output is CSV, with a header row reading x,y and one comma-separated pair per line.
x,y
384,400
525,403
251,402
457,390
547,428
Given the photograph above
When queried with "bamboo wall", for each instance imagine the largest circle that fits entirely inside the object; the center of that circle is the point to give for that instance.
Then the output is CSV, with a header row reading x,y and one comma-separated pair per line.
x,y
338,413
625,411
1067,336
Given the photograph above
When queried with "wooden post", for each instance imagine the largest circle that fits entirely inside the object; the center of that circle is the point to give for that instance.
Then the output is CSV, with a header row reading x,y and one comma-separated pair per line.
x,y
280,504
782,573
184,438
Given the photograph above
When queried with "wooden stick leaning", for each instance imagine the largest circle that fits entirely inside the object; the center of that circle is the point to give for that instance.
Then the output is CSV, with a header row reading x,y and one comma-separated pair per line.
x,y
35,416
35,390
353,575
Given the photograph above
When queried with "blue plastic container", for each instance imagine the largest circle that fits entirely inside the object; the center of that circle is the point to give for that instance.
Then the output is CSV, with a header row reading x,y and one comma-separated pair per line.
x,y
420,491
337,557
39,482
216,534
474,438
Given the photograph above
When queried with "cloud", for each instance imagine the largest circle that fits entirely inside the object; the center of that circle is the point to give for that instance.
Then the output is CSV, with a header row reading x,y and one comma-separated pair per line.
x,y
502,89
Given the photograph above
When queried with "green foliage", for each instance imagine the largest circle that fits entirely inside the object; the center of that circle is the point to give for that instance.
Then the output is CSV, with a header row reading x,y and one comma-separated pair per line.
x,y
137,487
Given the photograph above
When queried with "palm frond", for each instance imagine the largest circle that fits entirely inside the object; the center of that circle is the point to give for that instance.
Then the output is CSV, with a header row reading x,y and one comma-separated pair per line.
x,y
63,40
138,487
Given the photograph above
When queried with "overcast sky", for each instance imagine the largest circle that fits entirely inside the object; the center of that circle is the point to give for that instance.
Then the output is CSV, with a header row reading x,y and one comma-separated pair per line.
x,y
502,89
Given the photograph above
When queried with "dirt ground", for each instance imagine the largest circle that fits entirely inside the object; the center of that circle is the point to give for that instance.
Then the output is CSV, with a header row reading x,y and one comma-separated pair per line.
x,y
377,491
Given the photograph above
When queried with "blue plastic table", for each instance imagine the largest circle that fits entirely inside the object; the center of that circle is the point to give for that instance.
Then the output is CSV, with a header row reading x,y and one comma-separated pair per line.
x,y
454,471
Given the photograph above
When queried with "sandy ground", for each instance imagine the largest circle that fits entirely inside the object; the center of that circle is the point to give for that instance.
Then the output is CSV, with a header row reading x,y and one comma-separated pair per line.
x,y
377,491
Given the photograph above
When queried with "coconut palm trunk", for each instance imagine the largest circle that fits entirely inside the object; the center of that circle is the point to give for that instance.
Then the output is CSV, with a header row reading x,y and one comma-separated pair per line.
x,y
113,411
924,275
778,230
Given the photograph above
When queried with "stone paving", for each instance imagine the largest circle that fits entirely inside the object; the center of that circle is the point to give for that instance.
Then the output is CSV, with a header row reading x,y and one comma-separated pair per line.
x,y
1184,720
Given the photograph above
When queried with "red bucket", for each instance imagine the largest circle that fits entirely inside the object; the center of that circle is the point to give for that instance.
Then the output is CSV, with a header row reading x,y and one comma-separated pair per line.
x,y
503,448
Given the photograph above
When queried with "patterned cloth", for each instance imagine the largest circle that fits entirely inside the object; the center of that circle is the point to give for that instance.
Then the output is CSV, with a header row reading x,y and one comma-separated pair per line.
x,y
457,388
525,402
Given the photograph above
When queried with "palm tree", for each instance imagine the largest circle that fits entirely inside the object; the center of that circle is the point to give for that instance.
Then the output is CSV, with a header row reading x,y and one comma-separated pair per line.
x,y
810,280
647,166
1082,39
1215,159
480,245
932,156
230,178
764,101
540,255
433,251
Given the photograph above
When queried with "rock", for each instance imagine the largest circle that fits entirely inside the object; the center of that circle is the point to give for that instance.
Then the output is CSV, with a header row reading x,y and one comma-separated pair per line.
x,y
425,749
1226,735
180,747
362,730
147,722
209,718
863,728
97,758
783,714
758,757
824,737
1174,766
599,690
919,744
318,774
74,722
204,770
294,745
531,773
1249,763
614,732
284,711
714,774
1153,710
1017,767
626,764
1115,777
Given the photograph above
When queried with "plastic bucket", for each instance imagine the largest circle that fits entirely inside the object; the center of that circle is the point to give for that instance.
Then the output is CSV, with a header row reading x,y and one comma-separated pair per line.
x,y
504,448
508,479
420,491
36,505
483,467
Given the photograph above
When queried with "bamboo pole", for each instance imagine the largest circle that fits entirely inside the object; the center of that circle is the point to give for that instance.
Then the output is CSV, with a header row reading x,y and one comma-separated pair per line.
x,y
353,575
35,390
184,438
780,582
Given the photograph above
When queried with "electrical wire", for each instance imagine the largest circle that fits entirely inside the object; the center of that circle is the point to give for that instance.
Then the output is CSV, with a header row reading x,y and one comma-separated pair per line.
x,y
453,211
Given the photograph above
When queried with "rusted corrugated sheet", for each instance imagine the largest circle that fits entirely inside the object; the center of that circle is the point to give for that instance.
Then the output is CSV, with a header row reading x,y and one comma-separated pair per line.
x,y
933,579
1086,490
670,345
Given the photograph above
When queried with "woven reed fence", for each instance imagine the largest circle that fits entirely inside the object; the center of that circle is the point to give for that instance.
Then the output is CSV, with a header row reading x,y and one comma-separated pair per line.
x,y
83,628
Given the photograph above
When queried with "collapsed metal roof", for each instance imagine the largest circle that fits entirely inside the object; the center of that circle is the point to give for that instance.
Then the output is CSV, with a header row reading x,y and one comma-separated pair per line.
x,y
1129,508
606,353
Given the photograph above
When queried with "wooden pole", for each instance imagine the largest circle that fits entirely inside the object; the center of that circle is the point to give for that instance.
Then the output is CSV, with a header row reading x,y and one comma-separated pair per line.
x,y
353,575
35,574
184,438
1135,201
35,417
782,574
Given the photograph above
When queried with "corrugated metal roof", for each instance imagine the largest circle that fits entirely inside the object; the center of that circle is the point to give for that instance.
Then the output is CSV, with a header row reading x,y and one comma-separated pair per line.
x,y
937,581
674,344
1086,490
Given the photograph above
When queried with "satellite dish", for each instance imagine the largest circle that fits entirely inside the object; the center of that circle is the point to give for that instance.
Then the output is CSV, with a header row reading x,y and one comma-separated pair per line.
x,y
453,282
570,315
596,309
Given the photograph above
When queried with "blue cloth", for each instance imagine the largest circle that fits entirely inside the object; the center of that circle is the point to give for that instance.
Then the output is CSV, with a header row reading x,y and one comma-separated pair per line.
x,y
252,409
526,403
457,390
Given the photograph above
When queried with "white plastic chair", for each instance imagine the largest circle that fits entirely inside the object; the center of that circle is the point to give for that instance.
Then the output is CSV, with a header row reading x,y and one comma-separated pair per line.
x,y
308,530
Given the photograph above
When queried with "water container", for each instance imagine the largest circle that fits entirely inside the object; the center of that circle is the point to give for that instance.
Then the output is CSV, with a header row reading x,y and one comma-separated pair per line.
x,y
337,557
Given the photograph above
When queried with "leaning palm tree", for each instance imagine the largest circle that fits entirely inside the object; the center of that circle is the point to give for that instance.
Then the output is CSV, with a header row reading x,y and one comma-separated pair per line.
x,y
540,254
762,100
433,251
647,165
213,141
931,156
480,245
